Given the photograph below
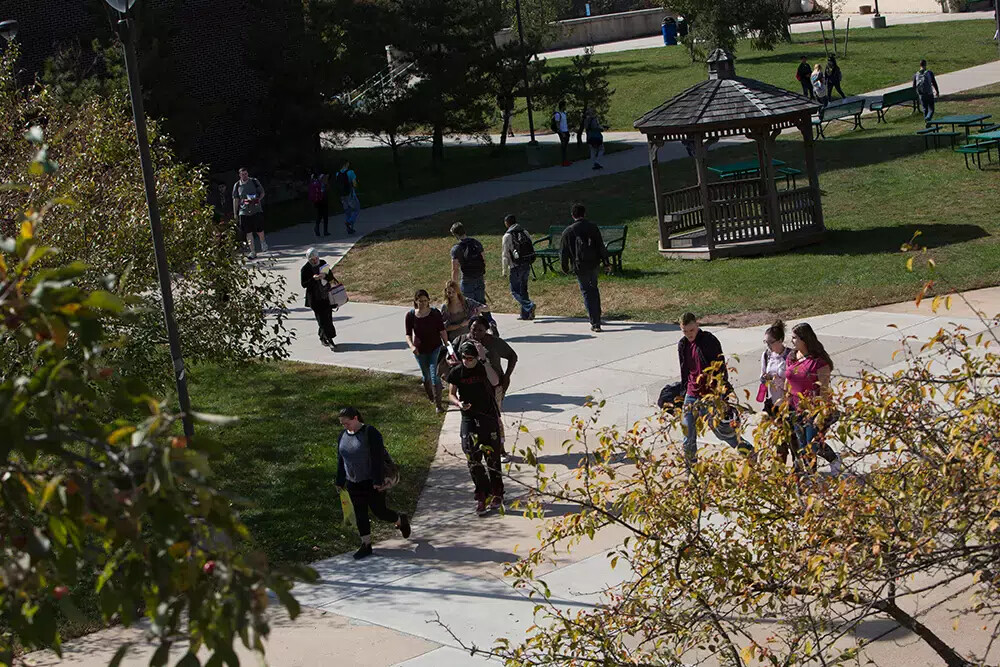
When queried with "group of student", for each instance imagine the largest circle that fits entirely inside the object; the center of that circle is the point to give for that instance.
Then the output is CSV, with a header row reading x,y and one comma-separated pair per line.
x,y
818,84
346,182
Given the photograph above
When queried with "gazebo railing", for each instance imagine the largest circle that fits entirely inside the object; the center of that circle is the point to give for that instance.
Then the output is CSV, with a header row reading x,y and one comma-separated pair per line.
x,y
739,211
683,210
796,210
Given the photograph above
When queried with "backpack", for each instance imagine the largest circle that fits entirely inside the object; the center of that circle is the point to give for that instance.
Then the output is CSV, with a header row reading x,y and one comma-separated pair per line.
x,y
316,190
470,258
523,250
924,86
587,254
344,183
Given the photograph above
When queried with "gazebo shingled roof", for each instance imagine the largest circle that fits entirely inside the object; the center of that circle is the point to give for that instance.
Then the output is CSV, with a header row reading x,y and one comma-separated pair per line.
x,y
735,216
725,99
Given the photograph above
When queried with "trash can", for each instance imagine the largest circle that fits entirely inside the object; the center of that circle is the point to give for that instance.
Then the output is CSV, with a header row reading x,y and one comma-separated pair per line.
x,y
669,28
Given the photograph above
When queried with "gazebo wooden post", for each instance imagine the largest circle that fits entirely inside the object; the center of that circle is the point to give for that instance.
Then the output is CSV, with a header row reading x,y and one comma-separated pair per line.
x,y
700,157
805,127
654,167
770,185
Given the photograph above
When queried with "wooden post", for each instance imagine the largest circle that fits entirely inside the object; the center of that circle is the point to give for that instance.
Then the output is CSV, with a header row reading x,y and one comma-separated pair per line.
x,y
805,127
765,151
654,167
700,155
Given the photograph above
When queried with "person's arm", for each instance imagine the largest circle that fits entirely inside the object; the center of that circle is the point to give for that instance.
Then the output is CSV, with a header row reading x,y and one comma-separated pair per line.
x,y
409,332
442,330
937,90
341,471
511,356
456,269
236,202
307,276
823,374
564,253
491,375
505,247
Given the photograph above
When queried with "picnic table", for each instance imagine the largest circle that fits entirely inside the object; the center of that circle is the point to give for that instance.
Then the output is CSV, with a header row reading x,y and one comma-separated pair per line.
x,y
985,142
752,168
967,121
745,168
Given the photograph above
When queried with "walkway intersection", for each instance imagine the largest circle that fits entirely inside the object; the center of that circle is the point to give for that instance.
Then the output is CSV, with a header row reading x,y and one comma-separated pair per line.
x,y
417,602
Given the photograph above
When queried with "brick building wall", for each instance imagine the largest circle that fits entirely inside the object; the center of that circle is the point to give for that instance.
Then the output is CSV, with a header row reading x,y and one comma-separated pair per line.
x,y
207,68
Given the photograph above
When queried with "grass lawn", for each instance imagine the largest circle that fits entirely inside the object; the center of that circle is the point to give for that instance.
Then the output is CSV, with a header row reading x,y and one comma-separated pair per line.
x,y
462,165
281,455
880,186
876,59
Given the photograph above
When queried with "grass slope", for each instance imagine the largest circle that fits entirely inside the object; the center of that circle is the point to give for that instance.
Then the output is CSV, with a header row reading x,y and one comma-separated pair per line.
x,y
281,455
876,59
879,184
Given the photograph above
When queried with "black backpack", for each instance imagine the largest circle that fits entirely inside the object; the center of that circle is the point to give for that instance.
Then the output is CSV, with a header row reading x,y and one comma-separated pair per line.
x,y
523,250
587,254
470,258
343,183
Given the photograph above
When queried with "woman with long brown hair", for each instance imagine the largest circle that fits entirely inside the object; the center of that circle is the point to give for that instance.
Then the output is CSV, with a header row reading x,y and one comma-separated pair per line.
x,y
808,376
458,310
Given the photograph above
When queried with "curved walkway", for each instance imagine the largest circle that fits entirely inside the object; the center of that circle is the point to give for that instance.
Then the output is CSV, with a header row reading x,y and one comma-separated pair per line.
x,y
385,610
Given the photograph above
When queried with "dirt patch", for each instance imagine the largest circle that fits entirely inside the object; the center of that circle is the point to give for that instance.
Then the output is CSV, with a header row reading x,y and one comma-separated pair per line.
x,y
752,318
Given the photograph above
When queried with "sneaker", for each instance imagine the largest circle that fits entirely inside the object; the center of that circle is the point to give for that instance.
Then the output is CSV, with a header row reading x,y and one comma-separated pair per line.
x,y
253,256
481,508
596,166
531,315
404,525
364,552
596,328
263,246
496,503
836,467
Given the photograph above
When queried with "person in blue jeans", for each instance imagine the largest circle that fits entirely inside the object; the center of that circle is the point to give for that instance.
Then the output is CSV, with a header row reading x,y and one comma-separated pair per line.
x,y
468,267
926,86
426,337
701,360
583,251
517,255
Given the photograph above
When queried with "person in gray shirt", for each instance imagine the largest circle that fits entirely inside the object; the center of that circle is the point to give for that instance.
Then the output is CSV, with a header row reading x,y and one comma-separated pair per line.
x,y
361,459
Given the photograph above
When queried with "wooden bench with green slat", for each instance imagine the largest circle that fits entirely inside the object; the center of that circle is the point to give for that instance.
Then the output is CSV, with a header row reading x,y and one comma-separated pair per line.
x,y
549,247
893,98
847,112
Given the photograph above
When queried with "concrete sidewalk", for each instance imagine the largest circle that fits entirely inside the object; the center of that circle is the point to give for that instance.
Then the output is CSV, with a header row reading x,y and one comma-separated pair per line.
x,y
386,610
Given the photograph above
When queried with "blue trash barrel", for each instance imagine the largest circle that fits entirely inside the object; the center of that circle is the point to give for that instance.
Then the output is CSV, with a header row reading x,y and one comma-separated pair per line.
x,y
669,28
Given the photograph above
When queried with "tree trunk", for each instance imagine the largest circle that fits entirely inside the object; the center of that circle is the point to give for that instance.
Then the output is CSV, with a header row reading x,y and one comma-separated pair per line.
x,y
504,129
437,145
947,653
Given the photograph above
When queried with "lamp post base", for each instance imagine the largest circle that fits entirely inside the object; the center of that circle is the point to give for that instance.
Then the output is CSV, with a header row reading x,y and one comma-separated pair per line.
x,y
878,21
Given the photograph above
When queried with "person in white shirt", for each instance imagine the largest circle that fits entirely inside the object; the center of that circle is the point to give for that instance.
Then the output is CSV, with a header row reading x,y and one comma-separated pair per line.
x,y
772,375
560,123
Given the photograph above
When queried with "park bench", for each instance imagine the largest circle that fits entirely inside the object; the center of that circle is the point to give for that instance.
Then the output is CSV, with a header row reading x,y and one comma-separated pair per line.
x,y
846,113
893,98
975,151
936,133
549,248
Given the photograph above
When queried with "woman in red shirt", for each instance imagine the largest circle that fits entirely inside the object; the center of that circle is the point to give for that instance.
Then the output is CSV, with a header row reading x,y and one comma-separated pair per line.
x,y
808,377
426,337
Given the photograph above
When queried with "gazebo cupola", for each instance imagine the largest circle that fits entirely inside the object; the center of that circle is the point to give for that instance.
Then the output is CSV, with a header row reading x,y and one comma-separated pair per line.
x,y
735,216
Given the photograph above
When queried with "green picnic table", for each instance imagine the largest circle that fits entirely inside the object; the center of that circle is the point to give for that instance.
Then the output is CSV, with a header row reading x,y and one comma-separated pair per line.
x,y
967,121
985,142
746,167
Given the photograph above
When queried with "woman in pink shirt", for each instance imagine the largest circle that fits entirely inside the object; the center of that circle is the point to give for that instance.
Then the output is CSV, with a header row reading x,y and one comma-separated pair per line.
x,y
808,376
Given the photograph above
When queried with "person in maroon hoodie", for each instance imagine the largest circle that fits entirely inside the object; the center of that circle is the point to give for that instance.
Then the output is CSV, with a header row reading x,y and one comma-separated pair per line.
x,y
697,351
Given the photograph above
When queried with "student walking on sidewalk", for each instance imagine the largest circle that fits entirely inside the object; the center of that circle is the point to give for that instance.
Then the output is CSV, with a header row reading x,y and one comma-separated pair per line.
x,y
803,74
560,125
497,350
701,357
472,391
317,278
320,197
347,185
925,83
808,376
773,366
517,255
248,208
426,337
583,251
361,469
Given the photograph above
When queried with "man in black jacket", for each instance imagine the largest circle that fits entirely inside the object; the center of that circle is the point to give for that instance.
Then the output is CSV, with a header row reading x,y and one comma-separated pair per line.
x,y
703,371
803,73
583,249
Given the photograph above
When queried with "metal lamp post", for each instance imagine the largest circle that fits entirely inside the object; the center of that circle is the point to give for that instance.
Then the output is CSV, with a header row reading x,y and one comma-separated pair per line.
x,y
878,21
126,31
524,63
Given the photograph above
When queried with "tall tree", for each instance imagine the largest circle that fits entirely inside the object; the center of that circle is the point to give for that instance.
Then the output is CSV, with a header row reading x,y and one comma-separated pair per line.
x,y
722,23
451,45
583,85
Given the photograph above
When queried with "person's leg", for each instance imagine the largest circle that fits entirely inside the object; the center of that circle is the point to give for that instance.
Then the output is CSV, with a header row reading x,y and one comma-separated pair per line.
x,y
474,455
841,91
355,208
519,289
319,216
564,146
376,501
691,412
359,493
494,464
725,432
324,315
593,154
247,232
435,378
325,204
591,295
600,153
474,288
805,431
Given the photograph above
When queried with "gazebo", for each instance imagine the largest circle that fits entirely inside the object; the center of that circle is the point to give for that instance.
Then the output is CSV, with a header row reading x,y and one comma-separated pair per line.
x,y
737,216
